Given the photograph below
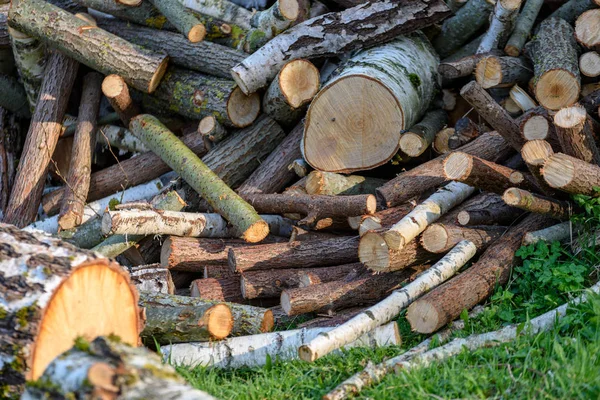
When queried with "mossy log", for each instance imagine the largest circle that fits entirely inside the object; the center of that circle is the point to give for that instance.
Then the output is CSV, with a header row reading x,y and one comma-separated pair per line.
x,y
206,182
195,96
337,33
537,204
94,47
222,9
400,77
54,293
523,25
553,52
110,369
182,19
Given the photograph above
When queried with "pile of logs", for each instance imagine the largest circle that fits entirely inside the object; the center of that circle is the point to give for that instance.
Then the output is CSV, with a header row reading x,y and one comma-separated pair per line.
x,y
325,162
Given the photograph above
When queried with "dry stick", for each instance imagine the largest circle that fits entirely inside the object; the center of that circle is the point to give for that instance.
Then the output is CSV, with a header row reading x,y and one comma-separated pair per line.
x,y
105,367
291,90
272,175
444,304
525,21
341,250
440,238
185,22
121,138
558,232
587,31
327,298
589,64
207,57
412,183
494,71
218,97
164,143
42,137
576,130
493,113
389,308
331,184
501,24
52,274
401,17
254,351
30,60
459,28
556,73
425,214
487,209
330,136
168,321
314,207
152,278
94,47
127,173
116,91
484,174
537,204
571,174
78,180
270,283
211,130
419,137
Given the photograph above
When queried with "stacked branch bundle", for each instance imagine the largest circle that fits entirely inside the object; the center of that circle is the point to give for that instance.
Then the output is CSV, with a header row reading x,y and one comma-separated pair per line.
x,y
338,161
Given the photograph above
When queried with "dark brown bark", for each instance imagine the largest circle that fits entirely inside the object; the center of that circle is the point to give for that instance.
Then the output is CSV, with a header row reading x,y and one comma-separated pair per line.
x,y
315,207
445,303
490,146
336,295
342,250
465,130
84,142
576,130
486,209
273,175
537,204
43,134
225,289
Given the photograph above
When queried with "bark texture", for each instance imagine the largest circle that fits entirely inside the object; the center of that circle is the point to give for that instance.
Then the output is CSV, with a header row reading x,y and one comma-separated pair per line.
x,y
571,174
441,238
152,278
537,204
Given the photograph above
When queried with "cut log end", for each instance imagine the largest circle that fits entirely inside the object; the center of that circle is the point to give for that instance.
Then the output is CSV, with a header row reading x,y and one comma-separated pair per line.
x,y
371,206
536,127
457,165
257,232
570,117
536,152
242,109
587,28
435,238
69,220
219,321
512,197
268,322
373,251
130,3
306,354
463,218
558,171
394,240
423,317
413,144
315,182
345,107
488,72
97,292
158,75
299,81
113,86
207,125
589,64
197,33
557,89
289,9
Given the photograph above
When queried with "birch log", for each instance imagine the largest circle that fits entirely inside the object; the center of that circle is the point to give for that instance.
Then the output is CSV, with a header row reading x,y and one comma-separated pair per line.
x,y
152,278
160,140
121,138
555,63
501,24
30,60
62,293
109,368
253,351
558,232
390,307
426,213
96,48
343,112
336,33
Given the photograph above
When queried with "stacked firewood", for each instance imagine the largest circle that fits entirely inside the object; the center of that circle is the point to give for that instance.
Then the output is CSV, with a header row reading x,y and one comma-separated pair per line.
x,y
300,162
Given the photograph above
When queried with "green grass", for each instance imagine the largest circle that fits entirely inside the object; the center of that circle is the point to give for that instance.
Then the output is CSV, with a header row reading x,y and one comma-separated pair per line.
x,y
561,364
